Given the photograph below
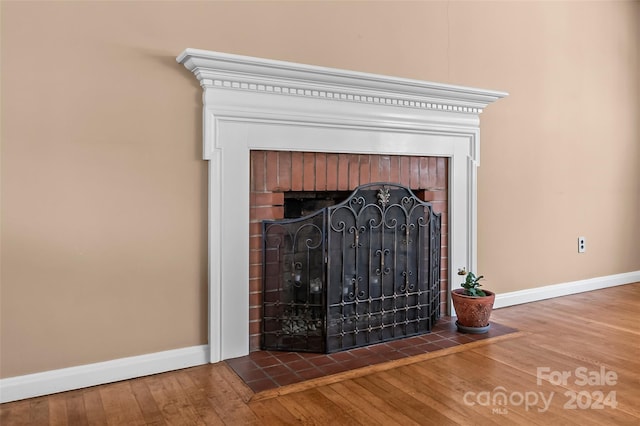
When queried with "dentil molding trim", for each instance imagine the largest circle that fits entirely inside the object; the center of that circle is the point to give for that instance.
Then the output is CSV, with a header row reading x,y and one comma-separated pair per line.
x,y
215,69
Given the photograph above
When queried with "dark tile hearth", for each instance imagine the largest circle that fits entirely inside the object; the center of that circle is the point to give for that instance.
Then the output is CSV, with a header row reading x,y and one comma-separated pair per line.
x,y
263,370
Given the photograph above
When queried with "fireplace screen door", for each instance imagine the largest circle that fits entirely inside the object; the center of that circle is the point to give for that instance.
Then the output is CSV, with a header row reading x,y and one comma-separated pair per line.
x,y
361,272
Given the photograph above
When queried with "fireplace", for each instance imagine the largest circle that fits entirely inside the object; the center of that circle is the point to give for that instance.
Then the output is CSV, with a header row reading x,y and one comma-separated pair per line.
x,y
259,105
294,184
364,271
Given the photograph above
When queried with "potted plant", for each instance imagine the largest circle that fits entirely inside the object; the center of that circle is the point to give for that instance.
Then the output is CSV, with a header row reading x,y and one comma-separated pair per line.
x,y
473,305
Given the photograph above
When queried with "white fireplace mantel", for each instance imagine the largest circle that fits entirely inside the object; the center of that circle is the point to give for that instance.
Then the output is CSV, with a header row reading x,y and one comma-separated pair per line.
x,y
259,104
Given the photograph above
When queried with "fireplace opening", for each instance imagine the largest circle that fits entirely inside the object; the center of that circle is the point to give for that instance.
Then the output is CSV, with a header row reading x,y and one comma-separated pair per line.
x,y
290,185
363,271
303,203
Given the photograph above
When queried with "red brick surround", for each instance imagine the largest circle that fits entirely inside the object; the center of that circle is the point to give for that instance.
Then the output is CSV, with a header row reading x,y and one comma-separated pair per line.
x,y
274,173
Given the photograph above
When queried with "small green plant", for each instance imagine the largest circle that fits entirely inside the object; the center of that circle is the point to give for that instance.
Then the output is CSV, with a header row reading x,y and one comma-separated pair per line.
x,y
471,284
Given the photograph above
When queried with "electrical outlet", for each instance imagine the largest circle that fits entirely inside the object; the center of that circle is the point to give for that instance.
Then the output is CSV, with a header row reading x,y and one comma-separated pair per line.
x,y
582,244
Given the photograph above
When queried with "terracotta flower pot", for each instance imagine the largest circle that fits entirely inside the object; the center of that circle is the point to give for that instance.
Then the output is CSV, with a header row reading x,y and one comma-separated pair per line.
x,y
473,312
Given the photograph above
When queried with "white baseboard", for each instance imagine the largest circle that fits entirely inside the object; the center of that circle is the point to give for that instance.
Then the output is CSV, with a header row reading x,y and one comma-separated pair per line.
x,y
564,289
53,381
48,382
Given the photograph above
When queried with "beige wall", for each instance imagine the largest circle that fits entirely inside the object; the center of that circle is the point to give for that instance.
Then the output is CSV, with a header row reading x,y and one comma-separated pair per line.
x,y
104,192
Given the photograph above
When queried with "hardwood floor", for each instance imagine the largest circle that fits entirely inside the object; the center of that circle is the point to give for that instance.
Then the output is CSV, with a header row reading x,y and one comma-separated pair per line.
x,y
584,335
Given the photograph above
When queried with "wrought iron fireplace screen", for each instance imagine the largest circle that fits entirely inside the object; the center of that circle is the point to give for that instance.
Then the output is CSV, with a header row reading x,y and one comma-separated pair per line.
x,y
361,272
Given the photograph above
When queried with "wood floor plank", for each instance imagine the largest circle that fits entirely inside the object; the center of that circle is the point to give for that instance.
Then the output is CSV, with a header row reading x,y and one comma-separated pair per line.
x,y
313,408
434,410
76,411
228,404
590,330
39,411
120,405
197,398
625,412
569,357
347,391
58,410
352,407
323,410
446,398
377,401
148,406
94,407
587,349
402,399
171,400
296,409
16,413
273,412
514,382
443,383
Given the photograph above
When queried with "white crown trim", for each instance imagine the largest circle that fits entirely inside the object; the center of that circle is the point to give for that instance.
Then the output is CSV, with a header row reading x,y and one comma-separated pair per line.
x,y
223,70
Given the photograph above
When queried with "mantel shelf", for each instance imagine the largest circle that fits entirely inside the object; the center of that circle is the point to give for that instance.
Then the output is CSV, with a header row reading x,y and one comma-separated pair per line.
x,y
248,73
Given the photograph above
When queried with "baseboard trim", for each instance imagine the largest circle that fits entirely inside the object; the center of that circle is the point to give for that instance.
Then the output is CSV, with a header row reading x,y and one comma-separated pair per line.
x,y
54,381
556,290
65,379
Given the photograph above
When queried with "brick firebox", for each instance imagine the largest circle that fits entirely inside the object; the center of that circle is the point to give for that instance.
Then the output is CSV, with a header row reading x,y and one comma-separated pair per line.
x,y
275,172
